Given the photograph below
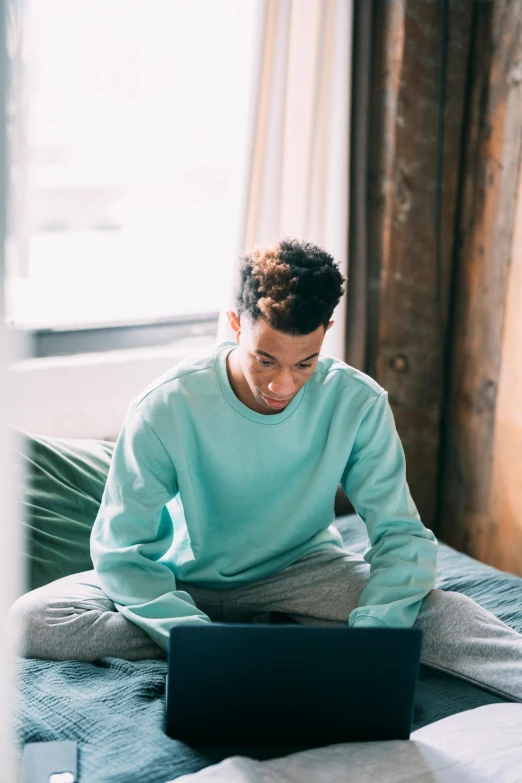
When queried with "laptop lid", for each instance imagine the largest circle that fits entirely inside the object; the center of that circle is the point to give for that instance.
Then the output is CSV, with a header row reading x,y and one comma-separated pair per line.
x,y
234,684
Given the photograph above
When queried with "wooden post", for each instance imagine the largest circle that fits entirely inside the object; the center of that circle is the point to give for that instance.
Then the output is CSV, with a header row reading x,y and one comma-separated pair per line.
x,y
408,296
492,162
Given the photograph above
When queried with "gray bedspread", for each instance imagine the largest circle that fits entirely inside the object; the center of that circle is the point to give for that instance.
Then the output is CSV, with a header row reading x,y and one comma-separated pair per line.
x,y
115,709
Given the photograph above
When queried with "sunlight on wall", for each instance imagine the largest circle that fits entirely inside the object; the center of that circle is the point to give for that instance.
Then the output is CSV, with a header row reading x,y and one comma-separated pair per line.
x,y
502,545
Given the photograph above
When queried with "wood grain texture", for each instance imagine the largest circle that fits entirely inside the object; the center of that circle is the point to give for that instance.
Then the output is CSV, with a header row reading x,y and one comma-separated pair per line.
x,y
493,149
407,310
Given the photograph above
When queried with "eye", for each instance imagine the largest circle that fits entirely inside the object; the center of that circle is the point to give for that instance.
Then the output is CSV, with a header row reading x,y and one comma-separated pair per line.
x,y
264,362
303,366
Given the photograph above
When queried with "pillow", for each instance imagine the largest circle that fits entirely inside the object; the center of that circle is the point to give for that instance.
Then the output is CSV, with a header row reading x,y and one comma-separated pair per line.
x,y
63,486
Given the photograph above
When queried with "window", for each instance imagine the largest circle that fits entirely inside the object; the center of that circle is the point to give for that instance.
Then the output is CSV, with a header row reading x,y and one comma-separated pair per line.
x,y
132,132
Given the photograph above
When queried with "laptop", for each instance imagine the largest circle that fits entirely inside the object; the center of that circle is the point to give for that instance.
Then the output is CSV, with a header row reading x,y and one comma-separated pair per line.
x,y
293,685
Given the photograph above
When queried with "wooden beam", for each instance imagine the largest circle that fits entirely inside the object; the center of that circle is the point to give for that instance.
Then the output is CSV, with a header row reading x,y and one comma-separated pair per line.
x,y
492,161
408,296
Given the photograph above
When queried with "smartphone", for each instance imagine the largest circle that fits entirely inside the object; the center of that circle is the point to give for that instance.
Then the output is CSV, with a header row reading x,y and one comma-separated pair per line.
x,y
50,762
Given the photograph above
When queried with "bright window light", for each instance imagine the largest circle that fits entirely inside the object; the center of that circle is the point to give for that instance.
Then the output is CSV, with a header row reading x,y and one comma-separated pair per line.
x,y
135,143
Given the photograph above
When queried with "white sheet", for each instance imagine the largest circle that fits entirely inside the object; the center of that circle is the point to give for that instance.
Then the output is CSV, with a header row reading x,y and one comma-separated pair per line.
x,y
477,746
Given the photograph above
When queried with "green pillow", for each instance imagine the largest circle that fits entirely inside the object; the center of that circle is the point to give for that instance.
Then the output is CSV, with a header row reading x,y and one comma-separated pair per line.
x,y
63,486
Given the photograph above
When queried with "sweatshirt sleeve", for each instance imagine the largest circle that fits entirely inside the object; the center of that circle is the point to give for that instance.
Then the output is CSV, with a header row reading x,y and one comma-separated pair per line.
x,y
403,553
133,530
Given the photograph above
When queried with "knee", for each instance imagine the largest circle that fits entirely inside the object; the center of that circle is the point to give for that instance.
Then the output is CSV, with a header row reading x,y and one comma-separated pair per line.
x,y
449,605
445,618
24,623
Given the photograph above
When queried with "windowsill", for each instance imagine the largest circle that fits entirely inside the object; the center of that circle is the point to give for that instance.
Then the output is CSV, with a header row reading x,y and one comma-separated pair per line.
x,y
87,395
181,348
74,339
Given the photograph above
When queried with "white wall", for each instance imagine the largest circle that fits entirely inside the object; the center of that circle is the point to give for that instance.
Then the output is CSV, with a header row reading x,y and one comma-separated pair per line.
x,y
86,396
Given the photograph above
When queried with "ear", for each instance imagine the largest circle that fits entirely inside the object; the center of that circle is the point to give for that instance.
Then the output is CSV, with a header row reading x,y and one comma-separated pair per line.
x,y
329,326
233,320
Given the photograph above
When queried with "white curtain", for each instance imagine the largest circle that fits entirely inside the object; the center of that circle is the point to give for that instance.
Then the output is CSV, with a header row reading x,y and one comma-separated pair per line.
x,y
298,172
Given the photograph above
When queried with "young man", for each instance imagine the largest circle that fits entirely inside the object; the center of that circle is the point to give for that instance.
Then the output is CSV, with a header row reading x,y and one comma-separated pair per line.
x,y
220,496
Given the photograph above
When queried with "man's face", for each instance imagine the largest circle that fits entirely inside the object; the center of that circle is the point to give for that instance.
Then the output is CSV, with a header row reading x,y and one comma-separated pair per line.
x,y
271,367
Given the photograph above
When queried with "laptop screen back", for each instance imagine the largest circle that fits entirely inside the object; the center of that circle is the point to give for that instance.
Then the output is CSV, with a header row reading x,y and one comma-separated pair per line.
x,y
232,684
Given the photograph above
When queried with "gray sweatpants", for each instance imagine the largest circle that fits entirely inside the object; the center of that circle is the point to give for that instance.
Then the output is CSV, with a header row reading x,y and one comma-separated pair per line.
x,y
72,619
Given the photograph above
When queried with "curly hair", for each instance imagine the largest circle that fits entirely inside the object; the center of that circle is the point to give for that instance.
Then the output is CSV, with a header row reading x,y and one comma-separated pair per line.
x,y
295,286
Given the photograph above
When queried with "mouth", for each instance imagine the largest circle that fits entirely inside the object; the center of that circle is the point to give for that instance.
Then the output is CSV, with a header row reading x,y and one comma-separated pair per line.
x,y
275,404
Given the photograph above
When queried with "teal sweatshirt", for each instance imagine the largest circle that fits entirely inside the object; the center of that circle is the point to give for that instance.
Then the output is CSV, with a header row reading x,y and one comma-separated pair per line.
x,y
205,490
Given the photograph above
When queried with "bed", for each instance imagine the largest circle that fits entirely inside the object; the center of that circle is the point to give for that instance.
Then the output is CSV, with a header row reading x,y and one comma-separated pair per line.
x,y
114,709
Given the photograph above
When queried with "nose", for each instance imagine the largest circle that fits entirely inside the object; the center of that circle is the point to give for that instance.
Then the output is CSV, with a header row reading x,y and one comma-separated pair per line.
x,y
282,385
